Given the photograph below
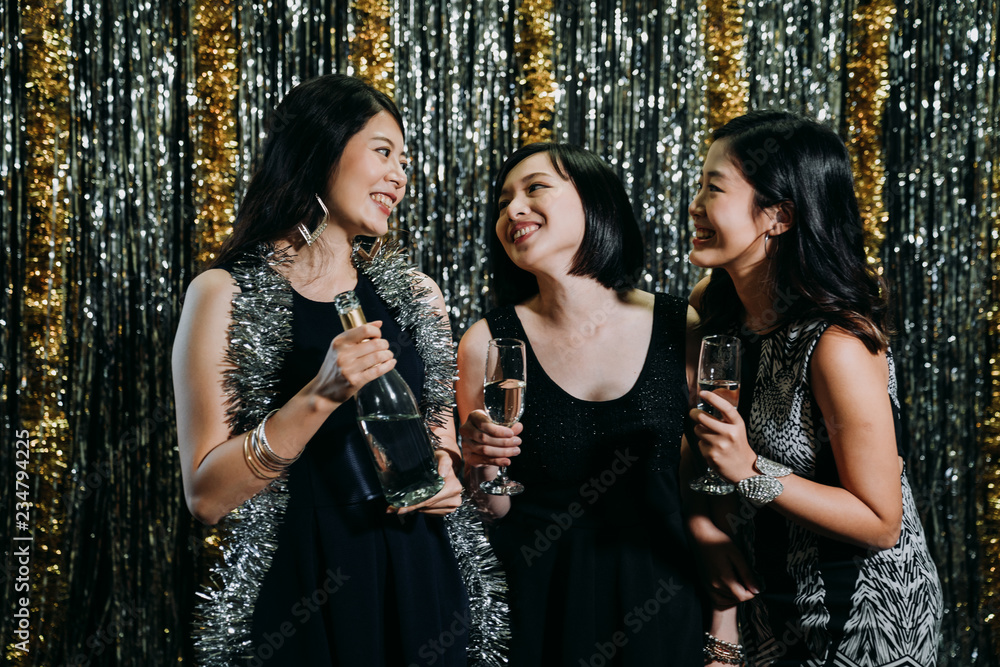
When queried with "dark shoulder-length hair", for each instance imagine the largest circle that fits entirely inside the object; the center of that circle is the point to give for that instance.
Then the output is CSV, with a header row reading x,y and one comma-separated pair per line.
x,y
308,133
611,251
819,267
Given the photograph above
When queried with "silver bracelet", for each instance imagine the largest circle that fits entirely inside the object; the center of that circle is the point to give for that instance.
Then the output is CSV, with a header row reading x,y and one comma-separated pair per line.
x,y
268,458
760,489
766,466
717,650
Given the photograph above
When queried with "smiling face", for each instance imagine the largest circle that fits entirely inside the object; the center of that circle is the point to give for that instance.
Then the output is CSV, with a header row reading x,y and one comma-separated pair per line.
x,y
542,221
369,180
729,231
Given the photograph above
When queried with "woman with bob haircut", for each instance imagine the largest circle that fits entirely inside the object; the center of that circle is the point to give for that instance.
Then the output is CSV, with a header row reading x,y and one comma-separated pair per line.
x,y
837,570
318,569
594,548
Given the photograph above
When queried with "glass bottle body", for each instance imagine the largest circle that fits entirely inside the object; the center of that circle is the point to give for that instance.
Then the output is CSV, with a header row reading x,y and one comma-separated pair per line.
x,y
393,428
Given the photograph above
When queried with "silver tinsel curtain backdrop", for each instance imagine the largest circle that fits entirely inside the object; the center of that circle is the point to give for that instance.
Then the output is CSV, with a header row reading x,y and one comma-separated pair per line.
x,y
129,130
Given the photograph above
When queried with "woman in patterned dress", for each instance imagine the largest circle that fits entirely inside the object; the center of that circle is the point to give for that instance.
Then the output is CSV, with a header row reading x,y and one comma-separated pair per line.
x,y
836,568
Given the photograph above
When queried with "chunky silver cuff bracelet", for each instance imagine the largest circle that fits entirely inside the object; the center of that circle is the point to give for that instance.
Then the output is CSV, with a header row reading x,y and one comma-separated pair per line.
x,y
771,468
760,489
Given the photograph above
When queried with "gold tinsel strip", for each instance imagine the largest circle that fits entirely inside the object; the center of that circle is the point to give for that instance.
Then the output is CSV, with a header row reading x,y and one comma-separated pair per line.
x,y
866,96
215,145
989,467
728,89
536,83
43,392
213,124
371,49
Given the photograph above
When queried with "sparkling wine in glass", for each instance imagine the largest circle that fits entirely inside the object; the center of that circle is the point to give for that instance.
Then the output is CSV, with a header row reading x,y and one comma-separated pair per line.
x,y
719,373
503,398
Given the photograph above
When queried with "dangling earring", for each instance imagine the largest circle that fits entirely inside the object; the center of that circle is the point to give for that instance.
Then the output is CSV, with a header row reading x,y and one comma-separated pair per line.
x,y
767,253
311,238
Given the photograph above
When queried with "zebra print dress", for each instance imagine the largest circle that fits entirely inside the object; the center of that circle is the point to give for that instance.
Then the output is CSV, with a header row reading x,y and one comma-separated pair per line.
x,y
825,602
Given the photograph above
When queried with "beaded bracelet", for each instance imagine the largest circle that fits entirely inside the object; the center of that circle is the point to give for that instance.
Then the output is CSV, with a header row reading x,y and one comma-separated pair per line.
x,y
717,650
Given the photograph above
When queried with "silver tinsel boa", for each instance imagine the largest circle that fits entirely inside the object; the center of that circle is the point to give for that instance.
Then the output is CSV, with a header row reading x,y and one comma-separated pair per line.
x,y
402,288
259,336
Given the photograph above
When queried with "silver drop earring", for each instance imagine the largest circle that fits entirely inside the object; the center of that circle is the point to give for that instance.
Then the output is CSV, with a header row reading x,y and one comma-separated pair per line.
x,y
311,238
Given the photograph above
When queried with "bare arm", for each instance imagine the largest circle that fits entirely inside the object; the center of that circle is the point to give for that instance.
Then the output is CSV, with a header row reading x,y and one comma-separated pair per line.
x,y
213,467
850,386
485,445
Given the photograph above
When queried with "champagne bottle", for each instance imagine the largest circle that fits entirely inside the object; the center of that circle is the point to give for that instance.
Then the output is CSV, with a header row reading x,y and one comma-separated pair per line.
x,y
393,428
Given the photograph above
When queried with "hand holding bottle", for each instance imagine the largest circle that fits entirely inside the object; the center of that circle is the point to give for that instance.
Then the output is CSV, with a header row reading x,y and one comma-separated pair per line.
x,y
392,424
355,358
448,498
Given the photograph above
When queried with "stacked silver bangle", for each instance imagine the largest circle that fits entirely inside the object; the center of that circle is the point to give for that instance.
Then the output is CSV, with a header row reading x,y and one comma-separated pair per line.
x,y
261,459
765,487
717,650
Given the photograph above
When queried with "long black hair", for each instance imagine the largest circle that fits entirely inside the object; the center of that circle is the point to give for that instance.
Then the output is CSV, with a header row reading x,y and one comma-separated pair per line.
x,y
611,251
820,269
307,136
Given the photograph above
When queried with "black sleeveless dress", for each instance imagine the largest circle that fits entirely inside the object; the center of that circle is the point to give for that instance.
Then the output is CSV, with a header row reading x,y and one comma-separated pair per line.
x,y
349,584
596,555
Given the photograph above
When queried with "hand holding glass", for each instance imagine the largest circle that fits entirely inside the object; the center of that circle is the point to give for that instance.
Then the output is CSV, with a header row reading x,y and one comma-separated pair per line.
x,y
503,398
719,373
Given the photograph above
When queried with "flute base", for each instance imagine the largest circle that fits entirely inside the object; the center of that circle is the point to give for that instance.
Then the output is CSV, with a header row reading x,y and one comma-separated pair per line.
x,y
712,484
501,487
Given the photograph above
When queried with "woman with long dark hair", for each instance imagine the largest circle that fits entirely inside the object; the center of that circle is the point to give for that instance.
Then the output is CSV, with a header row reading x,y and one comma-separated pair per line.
x,y
318,570
594,548
839,571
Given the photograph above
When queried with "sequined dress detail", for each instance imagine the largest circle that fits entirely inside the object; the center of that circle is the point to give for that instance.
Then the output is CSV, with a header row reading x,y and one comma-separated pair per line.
x,y
595,552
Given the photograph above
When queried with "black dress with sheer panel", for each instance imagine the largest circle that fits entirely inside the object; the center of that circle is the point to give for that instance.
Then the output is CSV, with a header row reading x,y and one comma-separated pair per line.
x,y
350,584
597,559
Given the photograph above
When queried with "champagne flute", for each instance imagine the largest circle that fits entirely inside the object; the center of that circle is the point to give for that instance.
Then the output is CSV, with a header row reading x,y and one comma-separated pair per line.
x,y
719,373
503,398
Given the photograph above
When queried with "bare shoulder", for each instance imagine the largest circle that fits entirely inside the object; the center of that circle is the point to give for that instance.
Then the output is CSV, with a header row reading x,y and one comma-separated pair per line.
x,y
212,285
693,320
841,359
205,314
641,298
698,291
475,339
428,282
436,300
693,331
